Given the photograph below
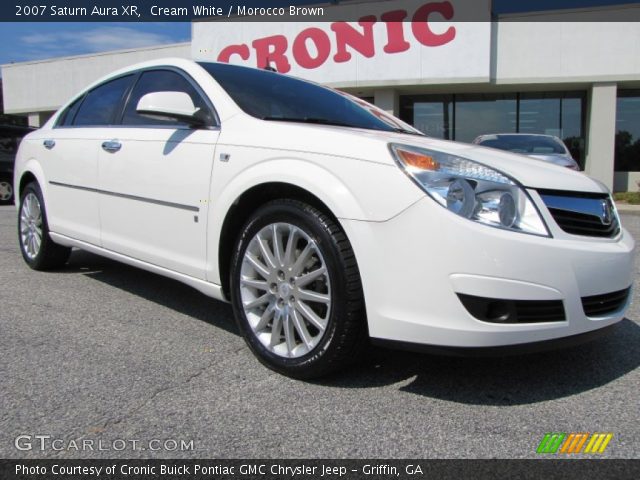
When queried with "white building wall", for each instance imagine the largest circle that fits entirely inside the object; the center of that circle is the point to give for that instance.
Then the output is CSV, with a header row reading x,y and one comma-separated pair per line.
x,y
45,85
601,132
387,100
567,52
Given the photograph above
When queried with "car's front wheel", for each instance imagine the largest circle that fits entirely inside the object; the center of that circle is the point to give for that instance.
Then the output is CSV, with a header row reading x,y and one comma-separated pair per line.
x,y
296,290
38,250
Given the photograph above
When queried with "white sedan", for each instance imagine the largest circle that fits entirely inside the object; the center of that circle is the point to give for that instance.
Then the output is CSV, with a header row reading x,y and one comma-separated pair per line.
x,y
322,219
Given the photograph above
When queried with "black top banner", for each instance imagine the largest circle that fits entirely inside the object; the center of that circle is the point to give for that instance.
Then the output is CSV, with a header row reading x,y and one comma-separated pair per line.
x,y
309,10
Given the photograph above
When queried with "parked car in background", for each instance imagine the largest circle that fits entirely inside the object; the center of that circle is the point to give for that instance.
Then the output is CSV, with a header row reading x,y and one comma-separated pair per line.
x,y
323,221
10,137
543,147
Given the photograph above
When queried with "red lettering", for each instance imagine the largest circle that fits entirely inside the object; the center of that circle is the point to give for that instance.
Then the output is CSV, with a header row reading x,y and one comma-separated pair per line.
x,y
301,53
272,49
312,47
241,50
395,31
420,24
359,41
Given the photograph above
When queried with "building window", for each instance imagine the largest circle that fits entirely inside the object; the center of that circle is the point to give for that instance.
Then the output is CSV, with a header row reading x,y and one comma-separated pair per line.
x,y
557,114
463,117
432,114
479,114
627,149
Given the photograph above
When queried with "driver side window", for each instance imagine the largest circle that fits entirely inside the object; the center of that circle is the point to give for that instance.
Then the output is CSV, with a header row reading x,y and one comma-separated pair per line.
x,y
160,81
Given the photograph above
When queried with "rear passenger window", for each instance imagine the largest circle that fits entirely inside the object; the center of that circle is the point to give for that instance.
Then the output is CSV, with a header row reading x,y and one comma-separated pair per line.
x,y
68,115
160,81
102,103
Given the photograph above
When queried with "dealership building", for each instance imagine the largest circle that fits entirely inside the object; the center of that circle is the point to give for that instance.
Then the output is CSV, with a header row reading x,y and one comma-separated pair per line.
x,y
564,73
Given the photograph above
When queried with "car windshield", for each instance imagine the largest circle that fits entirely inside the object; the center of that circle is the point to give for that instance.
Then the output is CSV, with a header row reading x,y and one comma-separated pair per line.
x,y
527,144
272,96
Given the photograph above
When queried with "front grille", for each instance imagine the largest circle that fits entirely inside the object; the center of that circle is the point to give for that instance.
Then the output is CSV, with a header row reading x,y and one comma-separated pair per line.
x,y
582,224
601,305
496,310
587,214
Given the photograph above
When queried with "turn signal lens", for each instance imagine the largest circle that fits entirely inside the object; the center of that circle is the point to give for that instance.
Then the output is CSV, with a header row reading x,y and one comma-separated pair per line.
x,y
418,160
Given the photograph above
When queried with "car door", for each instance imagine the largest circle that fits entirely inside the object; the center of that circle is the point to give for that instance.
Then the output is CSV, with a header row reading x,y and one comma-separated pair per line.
x,y
154,178
69,157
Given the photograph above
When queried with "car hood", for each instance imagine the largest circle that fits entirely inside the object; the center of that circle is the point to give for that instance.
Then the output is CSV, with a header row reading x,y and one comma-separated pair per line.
x,y
529,171
372,146
557,159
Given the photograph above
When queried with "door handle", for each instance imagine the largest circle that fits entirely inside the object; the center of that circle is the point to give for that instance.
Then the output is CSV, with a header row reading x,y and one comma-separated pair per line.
x,y
111,146
49,144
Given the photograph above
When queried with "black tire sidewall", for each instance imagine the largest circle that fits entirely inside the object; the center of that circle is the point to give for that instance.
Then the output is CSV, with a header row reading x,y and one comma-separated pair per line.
x,y
304,218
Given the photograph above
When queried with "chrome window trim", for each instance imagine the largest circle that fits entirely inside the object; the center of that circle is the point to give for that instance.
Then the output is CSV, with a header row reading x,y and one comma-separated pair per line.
x,y
81,98
123,103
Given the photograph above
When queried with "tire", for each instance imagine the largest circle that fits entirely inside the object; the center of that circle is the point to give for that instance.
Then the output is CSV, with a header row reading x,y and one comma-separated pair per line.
x,y
302,312
6,191
38,250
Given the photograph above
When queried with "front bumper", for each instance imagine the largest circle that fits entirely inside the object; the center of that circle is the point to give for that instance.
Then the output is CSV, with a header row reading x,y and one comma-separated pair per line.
x,y
414,266
500,350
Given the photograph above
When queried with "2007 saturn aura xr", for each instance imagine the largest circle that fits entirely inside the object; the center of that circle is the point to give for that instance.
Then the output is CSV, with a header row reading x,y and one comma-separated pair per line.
x,y
324,220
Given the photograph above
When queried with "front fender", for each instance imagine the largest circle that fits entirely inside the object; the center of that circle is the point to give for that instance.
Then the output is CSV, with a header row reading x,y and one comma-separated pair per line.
x,y
352,189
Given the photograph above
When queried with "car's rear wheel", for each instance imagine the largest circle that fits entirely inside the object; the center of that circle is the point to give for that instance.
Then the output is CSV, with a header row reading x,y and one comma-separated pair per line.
x,y
38,250
6,191
296,290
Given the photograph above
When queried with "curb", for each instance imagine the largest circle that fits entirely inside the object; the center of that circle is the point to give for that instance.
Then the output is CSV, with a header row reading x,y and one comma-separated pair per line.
x,y
628,209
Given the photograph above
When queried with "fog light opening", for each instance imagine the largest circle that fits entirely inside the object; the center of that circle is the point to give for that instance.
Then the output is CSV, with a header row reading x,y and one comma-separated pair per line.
x,y
498,311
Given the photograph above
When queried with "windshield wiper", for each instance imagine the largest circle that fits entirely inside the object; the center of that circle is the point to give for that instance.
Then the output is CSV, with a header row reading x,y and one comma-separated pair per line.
x,y
409,132
319,121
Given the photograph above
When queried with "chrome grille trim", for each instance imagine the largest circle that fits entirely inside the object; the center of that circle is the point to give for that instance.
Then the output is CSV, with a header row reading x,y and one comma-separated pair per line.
x,y
584,214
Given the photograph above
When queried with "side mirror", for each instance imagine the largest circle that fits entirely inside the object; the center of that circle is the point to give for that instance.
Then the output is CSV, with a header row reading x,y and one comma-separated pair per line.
x,y
171,105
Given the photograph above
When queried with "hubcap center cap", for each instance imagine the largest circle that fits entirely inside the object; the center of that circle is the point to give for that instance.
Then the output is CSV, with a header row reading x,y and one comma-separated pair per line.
x,y
284,289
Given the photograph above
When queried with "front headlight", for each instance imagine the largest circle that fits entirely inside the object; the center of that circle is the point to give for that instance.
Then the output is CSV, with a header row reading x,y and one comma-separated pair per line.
x,y
470,189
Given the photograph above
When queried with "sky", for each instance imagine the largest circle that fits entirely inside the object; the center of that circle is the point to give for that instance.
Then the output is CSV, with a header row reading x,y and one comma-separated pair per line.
x,y
21,42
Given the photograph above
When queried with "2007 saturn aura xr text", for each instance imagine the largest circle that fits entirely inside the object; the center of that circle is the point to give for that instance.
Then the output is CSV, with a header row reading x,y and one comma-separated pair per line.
x,y
324,220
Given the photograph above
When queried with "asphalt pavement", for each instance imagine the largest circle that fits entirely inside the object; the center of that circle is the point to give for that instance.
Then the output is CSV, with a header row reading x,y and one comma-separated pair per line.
x,y
107,355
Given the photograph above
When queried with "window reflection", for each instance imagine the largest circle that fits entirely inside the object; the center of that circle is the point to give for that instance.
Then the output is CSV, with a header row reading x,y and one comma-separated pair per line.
x,y
480,114
572,115
463,117
539,114
627,145
431,114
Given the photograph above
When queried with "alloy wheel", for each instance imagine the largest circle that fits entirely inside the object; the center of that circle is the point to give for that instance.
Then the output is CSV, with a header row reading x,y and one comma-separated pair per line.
x,y
285,290
31,225
6,191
